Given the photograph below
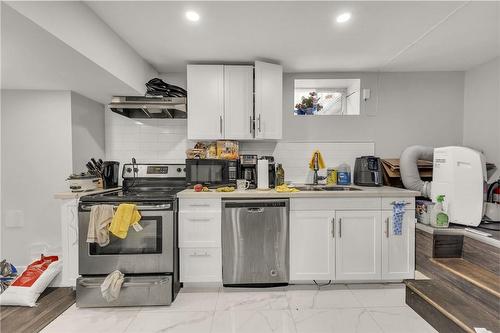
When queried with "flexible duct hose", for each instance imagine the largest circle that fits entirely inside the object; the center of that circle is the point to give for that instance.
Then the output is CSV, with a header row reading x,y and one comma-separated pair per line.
x,y
409,169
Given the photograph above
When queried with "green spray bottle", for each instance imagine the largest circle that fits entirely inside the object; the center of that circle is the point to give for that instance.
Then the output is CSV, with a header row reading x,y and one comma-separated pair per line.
x,y
440,218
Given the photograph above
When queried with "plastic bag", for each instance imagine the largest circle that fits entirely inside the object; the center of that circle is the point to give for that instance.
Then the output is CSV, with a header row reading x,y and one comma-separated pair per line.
x,y
27,287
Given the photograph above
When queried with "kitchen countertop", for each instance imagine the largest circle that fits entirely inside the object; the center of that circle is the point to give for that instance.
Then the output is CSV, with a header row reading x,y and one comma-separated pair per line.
x,y
384,191
76,195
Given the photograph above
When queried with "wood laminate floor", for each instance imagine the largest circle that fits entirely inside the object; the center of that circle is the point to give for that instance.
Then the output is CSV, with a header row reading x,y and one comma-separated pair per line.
x,y
52,302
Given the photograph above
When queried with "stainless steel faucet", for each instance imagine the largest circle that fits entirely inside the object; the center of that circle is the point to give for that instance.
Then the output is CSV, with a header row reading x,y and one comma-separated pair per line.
x,y
316,178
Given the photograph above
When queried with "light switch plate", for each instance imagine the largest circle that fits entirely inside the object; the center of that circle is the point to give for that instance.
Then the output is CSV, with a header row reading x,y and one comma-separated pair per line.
x,y
14,219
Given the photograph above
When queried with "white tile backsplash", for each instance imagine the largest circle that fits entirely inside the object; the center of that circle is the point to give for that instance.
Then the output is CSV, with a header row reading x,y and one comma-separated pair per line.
x,y
295,156
148,140
165,141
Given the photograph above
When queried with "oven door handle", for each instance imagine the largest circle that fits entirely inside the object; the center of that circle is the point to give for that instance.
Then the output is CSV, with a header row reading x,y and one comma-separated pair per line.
x,y
139,207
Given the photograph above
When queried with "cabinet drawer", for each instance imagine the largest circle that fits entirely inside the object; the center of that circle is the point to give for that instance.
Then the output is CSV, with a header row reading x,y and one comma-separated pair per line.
x,y
387,202
200,205
199,229
200,265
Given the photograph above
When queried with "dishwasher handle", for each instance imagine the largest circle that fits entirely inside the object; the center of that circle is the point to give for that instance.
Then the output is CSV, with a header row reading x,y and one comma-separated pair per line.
x,y
255,204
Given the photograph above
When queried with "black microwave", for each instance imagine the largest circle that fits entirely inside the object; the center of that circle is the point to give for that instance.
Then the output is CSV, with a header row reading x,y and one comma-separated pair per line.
x,y
211,172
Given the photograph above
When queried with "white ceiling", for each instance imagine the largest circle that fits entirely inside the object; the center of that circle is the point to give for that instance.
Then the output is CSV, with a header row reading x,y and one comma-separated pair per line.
x,y
304,37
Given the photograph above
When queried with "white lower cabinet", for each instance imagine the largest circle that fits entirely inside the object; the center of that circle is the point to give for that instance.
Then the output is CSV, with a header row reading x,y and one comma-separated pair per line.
x,y
200,264
200,240
398,254
312,246
358,245
333,241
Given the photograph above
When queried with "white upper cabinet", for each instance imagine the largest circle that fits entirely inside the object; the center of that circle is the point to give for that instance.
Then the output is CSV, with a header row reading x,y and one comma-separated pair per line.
x,y
358,245
221,103
398,255
205,85
268,100
238,102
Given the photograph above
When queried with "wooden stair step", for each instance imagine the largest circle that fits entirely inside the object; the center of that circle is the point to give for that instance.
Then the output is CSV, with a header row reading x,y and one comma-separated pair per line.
x,y
449,309
473,273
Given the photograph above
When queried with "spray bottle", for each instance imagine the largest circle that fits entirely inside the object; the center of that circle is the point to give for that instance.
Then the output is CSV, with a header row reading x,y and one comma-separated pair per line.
x,y
439,218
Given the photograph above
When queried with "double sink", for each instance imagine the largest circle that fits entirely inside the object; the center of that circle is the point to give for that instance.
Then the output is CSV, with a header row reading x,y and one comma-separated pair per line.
x,y
312,187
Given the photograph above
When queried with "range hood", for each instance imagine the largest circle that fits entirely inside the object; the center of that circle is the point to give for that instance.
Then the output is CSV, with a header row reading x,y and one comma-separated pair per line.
x,y
145,107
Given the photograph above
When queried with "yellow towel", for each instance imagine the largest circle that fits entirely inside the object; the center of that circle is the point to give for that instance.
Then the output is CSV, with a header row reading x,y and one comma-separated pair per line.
x,y
321,162
125,216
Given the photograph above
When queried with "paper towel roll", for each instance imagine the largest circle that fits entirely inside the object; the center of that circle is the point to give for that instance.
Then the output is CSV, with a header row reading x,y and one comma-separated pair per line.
x,y
263,174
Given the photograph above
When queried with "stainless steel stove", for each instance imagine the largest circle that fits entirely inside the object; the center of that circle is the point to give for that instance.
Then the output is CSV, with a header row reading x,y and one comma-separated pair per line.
x,y
148,258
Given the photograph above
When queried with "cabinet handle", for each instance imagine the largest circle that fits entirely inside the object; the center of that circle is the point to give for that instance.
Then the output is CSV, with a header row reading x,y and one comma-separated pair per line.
x,y
333,227
196,254
199,220
251,124
220,125
199,205
258,119
387,227
340,228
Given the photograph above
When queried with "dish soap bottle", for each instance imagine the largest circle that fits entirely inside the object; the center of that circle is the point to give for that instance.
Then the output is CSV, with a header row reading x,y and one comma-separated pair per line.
x,y
280,175
439,217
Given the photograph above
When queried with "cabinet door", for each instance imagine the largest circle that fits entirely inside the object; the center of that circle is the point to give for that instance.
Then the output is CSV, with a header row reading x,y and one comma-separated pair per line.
x,y
205,113
268,100
311,245
238,102
398,251
358,245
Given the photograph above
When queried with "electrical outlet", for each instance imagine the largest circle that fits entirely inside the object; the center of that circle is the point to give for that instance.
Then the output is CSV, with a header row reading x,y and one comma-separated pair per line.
x,y
14,219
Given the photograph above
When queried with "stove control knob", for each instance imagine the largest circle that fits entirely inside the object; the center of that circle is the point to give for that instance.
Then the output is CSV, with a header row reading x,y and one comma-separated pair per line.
x,y
129,170
179,169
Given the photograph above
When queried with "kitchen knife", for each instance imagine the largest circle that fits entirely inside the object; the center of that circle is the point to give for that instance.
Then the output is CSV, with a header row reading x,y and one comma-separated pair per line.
x,y
96,165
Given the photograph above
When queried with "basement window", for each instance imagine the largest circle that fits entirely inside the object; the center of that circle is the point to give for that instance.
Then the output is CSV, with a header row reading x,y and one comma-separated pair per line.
x,y
327,97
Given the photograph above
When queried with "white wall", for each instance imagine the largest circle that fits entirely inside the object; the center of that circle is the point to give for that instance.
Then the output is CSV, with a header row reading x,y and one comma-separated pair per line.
x,y
87,125
404,109
36,158
482,110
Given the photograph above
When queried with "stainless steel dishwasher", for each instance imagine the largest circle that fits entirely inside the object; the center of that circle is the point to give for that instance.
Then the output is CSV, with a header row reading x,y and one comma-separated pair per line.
x,y
255,242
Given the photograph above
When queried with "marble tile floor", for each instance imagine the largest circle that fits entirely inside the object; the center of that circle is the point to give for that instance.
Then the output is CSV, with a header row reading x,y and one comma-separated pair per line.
x,y
370,308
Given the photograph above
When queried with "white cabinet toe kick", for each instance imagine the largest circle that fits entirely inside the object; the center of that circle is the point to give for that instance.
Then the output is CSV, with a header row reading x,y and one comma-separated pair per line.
x,y
331,239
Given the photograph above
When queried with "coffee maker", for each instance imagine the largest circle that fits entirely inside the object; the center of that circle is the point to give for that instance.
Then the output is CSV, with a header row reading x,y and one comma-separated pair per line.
x,y
248,169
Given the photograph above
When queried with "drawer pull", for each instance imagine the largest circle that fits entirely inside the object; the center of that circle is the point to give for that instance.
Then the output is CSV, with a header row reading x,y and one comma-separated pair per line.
x,y
199,220
196,254
199,205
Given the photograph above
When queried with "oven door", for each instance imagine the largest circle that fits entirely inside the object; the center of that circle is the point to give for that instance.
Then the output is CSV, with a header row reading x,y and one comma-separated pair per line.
x,y
150,250
209,172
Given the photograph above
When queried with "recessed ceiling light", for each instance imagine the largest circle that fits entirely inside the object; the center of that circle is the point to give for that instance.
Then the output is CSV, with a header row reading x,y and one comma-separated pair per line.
x,y
192,16
344,17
